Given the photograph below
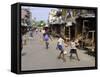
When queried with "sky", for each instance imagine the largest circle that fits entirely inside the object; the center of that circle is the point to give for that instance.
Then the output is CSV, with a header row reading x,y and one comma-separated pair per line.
x,y
40,13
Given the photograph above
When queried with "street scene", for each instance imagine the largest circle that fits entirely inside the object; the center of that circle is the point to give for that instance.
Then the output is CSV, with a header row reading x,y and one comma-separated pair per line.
x,y
54,38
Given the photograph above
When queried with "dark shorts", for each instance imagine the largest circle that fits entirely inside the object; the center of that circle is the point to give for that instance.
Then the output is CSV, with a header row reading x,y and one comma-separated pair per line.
x,y
73,51
60,48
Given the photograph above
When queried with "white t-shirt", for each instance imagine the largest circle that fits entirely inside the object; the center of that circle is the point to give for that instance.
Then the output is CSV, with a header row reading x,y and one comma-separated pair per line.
x,y
60,41
73,45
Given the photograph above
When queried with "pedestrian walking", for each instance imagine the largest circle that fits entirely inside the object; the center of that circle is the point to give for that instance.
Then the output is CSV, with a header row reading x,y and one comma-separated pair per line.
x,y
60,46
43,33
46,37
24,38
31,33
73,50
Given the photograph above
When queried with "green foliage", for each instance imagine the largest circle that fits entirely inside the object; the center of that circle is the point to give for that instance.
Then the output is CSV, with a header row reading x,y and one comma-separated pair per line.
x,y
38,23
41,23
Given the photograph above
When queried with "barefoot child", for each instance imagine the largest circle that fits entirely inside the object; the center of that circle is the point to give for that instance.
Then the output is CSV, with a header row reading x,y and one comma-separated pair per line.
x,y
60,46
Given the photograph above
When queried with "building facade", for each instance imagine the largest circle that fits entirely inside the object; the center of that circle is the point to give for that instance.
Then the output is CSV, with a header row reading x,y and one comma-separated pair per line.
x,y
74,24
26,20
56,22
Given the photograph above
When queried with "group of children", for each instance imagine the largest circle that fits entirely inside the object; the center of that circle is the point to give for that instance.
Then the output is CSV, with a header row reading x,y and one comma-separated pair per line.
x,y
61,44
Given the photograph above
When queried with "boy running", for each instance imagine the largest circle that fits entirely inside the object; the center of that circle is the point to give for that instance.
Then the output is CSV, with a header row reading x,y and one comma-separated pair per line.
x,y
60,46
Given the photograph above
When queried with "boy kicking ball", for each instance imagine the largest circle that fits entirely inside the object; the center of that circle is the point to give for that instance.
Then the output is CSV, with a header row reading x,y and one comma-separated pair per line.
x,y
60,44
